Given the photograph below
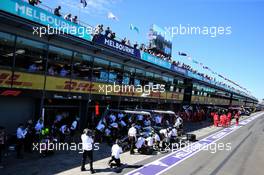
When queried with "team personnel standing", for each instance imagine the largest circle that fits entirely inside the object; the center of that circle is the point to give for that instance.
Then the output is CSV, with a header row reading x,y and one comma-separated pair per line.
x,y
116,151
21,134
237,116
216,119
132,136
229,118
87,143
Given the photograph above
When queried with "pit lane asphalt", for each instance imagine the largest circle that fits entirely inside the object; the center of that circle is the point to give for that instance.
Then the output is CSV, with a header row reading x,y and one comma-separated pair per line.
x,y
245,157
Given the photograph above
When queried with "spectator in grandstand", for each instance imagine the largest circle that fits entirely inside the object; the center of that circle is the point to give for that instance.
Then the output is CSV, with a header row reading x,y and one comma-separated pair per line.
x,y
123,41
108,32
135,45
64,72
57,11
34,2
99,29
33,68
112,35
51,71
128,43
68,17
75,20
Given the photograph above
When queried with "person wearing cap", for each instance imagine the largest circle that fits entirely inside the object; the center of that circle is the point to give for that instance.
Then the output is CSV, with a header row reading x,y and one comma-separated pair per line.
x,y
132,136
87,144
115,155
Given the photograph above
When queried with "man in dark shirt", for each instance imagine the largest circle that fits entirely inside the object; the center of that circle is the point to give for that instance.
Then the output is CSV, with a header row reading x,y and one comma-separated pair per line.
x,y
57,11
107,31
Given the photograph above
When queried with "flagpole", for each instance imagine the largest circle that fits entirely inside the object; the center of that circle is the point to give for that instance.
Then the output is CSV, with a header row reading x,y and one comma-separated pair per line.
x,y
79,16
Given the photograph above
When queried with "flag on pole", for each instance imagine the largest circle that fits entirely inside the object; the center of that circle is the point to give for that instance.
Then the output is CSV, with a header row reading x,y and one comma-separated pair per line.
x,y
84,3
112,16
132,27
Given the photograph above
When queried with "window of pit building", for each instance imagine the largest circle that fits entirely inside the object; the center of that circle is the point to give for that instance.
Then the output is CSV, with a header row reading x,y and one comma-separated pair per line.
x,y
139,77
59,63
82,66
7,42
115,73
30,55
100,70
169,85
149,78
129,75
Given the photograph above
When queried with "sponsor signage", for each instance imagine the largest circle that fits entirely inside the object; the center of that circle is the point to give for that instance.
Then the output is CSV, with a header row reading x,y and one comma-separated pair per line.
x,y
155,60
44,17
116,45
178,69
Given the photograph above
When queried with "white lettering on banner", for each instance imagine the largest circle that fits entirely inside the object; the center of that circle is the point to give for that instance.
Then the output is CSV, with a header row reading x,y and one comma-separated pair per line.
x,y
118,46
21,9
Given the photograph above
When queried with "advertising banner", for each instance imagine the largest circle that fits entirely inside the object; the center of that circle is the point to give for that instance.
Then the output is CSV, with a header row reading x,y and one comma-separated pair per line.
x,y
44,17
155,60
117,46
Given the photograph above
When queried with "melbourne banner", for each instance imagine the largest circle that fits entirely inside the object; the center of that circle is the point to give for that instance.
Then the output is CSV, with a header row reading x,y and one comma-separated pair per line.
x,y
178,69
116,45
44,17
155,60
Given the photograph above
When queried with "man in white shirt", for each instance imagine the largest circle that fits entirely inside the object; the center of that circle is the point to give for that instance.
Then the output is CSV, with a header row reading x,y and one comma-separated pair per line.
x,y
87,145
140,144
116,151
20,134
178,123
132,136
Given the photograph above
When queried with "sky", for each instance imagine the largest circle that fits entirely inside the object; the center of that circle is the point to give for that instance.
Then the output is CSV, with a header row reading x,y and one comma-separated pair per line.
x,y
238,56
